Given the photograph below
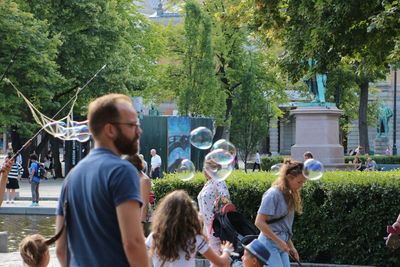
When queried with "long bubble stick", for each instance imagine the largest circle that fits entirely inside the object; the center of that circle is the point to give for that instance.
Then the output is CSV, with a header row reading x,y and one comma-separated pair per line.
x,y
27,143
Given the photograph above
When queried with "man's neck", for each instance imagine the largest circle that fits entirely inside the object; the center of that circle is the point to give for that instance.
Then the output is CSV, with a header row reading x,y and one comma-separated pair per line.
x,y
107,145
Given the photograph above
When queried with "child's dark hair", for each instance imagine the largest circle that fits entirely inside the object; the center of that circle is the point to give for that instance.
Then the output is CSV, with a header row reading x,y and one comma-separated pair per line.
x,y
136,161
175,226
33,250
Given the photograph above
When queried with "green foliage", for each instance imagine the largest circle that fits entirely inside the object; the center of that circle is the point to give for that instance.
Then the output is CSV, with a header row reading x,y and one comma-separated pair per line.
x,y
345,213
249,114
202,95
267,163
34,70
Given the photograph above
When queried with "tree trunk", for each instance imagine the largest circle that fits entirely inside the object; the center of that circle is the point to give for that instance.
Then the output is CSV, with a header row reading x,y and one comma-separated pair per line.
x,y
362,119
55,151
223,131
16,144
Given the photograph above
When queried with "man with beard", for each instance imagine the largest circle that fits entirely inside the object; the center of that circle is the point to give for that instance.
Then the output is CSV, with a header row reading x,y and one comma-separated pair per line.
x,y
103,225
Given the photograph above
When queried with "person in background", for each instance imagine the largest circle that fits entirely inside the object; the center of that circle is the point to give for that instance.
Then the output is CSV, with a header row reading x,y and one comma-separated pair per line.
x,y
370,164
358,165
257,162
155,164
145,192
34,179
276,214
212,191
145,165
5,169
13,178
177,235
255,255
308,155
388,151
51,164
103,193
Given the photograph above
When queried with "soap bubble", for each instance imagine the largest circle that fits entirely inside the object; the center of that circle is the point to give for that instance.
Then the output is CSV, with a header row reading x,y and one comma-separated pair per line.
x,y
225,145
55,128
83,134
185,170
201,138
313,169
276,169
217,170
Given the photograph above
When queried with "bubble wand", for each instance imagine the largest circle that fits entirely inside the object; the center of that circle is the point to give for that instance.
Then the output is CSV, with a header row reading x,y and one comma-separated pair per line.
x,y
27,143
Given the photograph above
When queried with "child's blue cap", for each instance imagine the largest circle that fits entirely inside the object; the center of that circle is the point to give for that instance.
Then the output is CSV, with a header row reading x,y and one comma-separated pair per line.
x,y
259,250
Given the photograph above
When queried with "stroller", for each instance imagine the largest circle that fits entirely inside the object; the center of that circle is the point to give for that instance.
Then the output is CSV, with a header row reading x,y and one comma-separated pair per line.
x,y
235,228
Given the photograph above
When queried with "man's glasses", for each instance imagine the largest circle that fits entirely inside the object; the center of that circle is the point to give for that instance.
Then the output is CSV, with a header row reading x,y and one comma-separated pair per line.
x,y
131,124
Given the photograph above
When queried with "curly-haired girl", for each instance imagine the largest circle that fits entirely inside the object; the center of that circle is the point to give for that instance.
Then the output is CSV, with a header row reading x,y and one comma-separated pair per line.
x,y
177,235
276,214
34,251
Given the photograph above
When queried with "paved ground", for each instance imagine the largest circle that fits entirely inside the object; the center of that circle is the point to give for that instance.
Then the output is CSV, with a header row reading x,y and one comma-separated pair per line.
x,y
48,192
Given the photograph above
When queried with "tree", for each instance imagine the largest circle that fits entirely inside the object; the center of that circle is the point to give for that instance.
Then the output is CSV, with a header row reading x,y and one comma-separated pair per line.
x,y
34,70
249,113
331,33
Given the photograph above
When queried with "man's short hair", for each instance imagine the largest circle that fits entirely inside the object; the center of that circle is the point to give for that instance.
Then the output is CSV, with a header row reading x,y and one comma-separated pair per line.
x,y
33,157
104,110
309,155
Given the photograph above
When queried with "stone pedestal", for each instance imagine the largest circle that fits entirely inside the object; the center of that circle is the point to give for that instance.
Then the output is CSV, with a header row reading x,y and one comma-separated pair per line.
x,y
381,143
3,242
317,131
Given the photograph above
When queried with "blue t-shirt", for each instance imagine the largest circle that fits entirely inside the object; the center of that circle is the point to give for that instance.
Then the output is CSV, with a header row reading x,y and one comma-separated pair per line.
x,y
95,187
273,204
35,167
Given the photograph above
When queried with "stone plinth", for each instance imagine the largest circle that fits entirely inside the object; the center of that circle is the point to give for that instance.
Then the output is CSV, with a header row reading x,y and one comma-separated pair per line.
x,y
3,242
381,143
317,131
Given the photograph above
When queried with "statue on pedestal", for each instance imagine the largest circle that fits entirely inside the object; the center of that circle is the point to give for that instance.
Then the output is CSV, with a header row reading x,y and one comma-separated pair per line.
x,y
317,84
384,115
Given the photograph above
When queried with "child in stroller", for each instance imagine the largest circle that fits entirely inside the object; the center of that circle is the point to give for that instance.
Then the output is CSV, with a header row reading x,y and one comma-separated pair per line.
x,y
235,228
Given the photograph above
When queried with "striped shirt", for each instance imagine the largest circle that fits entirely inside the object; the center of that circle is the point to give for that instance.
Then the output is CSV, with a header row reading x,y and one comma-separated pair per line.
x,y
16,170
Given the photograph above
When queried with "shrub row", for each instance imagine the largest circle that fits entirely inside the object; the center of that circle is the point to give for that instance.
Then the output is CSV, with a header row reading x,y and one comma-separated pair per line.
x,y
378,159
345,213
267,163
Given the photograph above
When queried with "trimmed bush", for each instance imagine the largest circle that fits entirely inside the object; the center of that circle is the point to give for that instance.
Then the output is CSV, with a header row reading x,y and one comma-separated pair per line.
x,y
345,213
378,159
267,163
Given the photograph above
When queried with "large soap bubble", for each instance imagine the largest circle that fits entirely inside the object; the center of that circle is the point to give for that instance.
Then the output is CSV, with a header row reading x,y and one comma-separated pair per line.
x,y
225,145
313,169
276,169
55,127
218,170
201,138
185,170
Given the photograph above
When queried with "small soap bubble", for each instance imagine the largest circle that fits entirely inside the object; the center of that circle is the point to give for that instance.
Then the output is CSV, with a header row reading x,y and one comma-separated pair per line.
x,y
313,169
218,171
276,169
185,170
225,145
201,138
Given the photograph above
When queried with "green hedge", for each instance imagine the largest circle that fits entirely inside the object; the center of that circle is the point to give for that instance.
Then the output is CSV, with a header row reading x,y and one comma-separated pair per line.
x,y
267,163
345,213
378,159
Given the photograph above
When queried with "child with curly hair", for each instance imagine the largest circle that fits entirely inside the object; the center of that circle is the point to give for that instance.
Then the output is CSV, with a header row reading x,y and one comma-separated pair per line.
x,y
177,235
34,250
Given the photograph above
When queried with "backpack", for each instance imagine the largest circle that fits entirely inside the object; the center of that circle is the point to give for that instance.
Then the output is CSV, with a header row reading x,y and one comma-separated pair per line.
x,y
41,171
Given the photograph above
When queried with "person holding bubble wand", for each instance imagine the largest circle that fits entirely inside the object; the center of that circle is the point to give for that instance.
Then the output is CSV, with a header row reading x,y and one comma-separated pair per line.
x,y
276,214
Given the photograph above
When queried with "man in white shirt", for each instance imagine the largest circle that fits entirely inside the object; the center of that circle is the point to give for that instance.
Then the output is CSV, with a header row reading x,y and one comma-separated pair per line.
x,y
257,162
155,164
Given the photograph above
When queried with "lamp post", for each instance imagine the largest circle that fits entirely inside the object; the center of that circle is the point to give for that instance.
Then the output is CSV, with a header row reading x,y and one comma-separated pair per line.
x,y
394,152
